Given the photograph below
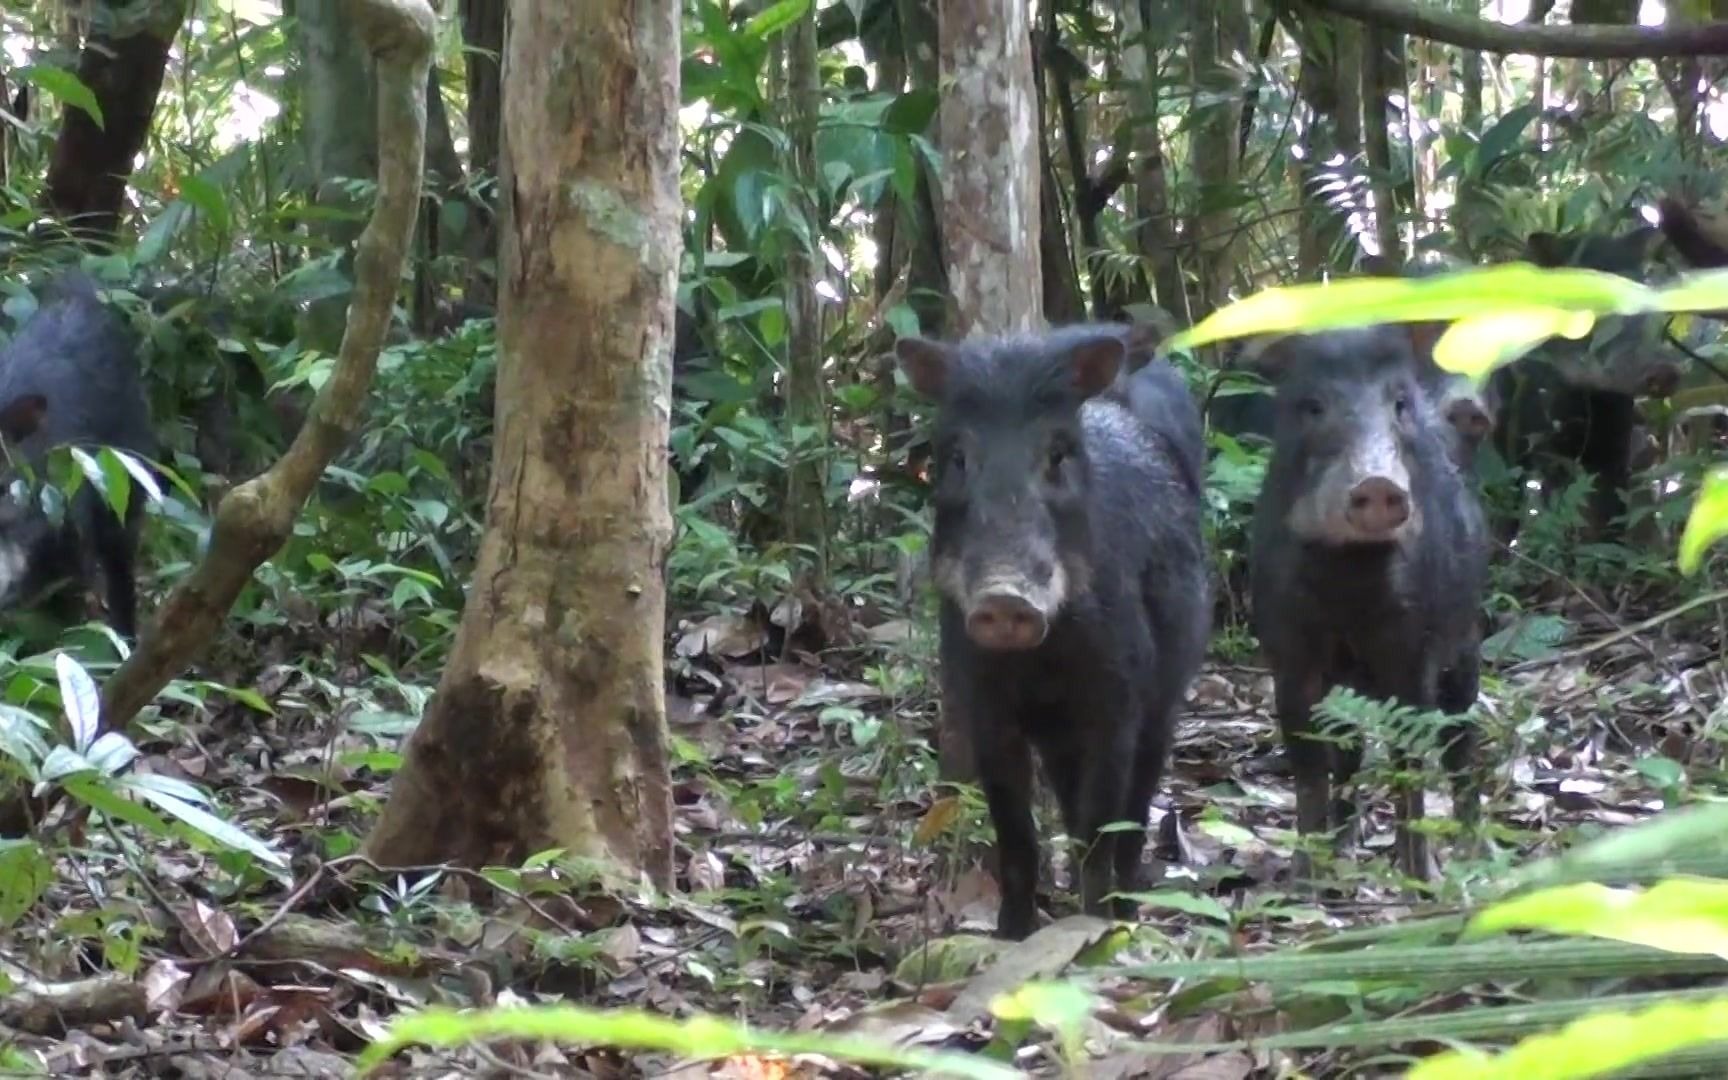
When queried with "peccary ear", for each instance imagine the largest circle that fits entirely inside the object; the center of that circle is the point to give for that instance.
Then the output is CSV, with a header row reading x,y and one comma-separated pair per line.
x,y
926,364
21,416
1547,249
1094,362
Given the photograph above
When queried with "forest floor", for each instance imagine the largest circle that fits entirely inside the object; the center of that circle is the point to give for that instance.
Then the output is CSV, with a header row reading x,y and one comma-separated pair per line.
x,y
816,860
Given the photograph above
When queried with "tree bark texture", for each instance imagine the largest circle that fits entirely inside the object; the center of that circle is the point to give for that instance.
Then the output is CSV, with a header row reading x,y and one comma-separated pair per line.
x,y
989,142
806,397
483,34
339,133
254,519
548,727
122,63
1220,36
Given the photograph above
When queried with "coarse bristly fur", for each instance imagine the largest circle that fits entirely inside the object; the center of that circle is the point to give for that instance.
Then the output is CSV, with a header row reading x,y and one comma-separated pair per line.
x,y
1396,619
78,360
1095,497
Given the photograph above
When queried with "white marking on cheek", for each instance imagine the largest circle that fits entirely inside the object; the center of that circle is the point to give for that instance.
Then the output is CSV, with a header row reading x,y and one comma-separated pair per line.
x,y
949,579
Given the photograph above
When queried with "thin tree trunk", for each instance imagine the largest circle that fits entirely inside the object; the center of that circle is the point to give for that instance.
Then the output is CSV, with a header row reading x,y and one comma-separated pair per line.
x,y
483,34
990,207
806,410
548,727
122,63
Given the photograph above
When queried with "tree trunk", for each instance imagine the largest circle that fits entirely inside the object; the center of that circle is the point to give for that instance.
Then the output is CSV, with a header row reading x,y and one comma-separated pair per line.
x,y
989,141
1220,36
483,34
123,61
806,410
1156,236
1331,91
339,132
548,727
989,138
1382,77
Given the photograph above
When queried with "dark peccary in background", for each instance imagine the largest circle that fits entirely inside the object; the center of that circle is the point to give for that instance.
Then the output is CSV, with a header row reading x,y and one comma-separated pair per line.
x,y
70,376
1575,401
1367,562
1074,604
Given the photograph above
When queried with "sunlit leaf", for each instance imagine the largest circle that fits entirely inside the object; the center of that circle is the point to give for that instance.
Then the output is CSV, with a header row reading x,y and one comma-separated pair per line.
x,y
1706,290
1595,1045
1477,345
1707,523
701,1037
1062,1007
1471,293
1688,915
25,874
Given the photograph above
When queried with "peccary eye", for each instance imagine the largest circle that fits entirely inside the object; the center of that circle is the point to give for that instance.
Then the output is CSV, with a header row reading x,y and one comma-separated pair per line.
x,y
957,459
1311,408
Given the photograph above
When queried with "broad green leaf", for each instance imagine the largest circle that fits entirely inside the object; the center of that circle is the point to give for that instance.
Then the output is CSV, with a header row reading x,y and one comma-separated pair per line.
x,y
776,18
79,698
21,738
1594,1045
1062,1007
1707,523
1476,346
25,874
1471,293
207,197
1688,915
111,752
63,84
94,791
207,823
701,1037
1200,904
1706,290
63,761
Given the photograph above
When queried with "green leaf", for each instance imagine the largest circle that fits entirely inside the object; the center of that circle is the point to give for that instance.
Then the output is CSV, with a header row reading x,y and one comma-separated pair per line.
x,y
776,18
63,84
1468,294
1686,915
25,874
1707,523
695,1037
63,761
79,698
1594,1045
1477,345
1062,1007
203,821
111,752
1497,140
93,791
1188,903
207,197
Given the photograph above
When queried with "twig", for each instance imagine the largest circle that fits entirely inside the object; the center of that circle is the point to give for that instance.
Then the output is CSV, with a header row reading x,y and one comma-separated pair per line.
x,y
1620,635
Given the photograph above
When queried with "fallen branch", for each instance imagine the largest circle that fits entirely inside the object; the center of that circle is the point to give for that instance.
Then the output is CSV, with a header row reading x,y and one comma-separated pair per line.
x,y
1578,42
255,518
